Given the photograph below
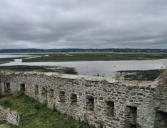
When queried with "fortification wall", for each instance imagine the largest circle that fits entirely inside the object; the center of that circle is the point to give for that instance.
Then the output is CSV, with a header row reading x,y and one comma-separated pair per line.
x,y
112,103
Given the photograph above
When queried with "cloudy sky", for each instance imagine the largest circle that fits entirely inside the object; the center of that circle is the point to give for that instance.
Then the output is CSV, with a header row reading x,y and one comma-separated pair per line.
x,y
83,24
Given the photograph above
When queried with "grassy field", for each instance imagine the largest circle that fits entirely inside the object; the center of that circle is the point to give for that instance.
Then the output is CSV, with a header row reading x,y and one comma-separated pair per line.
x,y
95,57
148,75
36,115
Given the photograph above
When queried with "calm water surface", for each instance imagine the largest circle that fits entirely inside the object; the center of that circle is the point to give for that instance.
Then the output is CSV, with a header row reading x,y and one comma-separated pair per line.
x,y
13,55
103,68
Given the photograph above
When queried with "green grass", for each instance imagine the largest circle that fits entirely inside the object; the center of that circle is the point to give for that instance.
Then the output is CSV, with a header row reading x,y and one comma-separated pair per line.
x,y
95,57
148,75
35,115
5,60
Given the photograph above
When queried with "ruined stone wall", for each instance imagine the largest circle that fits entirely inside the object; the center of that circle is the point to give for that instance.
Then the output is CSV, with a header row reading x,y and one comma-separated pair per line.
x,y
11,117
114,104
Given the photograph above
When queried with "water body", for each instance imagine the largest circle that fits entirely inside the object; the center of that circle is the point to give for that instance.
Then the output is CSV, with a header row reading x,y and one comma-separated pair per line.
x,y
13,55
103,68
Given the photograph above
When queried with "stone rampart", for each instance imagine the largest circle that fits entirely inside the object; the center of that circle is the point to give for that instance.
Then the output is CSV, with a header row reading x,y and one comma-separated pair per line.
x,y
109,102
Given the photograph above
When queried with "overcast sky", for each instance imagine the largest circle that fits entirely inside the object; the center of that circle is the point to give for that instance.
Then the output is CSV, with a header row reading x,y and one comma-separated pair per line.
x,y
83,23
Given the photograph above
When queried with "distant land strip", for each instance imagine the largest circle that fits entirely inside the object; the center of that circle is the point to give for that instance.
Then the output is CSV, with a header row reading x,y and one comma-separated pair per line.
x,y
77,50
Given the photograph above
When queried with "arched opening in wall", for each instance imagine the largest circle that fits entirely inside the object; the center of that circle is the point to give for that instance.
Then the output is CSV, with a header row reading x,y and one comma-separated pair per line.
x,y
131,117
7,88
90,103
44,92
73,99
161,119
110,108
22,87
36,90
62,96
51,93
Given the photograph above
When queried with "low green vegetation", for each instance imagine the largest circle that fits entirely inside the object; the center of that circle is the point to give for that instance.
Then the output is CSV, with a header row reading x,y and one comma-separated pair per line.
x,y
5,60
35,115
95,57
148,75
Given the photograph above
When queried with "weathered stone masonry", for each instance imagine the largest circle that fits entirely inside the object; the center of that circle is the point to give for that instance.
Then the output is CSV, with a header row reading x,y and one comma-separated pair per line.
x,y
112,103
11,117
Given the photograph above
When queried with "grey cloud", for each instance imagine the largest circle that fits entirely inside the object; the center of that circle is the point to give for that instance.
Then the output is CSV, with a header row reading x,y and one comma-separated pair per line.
x,y
83,23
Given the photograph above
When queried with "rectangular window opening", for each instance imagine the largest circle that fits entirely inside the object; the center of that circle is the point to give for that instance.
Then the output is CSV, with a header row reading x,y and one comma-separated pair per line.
x,y
131,117
51,93
7,88
36,90
90,103
22,87
73,99
110,108
43,92
161,119
62,96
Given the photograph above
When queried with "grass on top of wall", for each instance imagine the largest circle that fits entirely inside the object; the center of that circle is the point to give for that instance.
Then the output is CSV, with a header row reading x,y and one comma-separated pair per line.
x,y
35,115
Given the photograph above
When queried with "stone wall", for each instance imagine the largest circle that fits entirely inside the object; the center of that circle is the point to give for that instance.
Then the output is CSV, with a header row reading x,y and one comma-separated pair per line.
x,y
112,103
11,117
